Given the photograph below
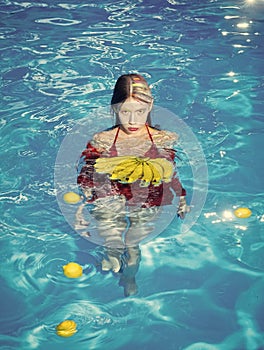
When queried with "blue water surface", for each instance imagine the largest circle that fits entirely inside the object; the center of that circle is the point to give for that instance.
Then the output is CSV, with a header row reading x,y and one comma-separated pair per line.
x,y
200,289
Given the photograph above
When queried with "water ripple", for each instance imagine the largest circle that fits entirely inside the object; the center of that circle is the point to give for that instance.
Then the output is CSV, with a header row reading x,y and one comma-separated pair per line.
x,y
58,21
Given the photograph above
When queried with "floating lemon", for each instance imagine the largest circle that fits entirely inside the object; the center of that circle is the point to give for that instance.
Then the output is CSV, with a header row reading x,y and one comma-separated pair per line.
x,y
242,213
66,328
72,270
71,198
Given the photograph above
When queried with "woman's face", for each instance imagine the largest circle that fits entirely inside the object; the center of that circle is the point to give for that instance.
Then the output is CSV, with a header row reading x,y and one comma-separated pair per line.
x,y
133,115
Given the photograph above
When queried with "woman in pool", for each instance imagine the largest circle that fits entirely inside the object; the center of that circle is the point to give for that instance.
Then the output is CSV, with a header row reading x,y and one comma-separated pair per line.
x,y
125,211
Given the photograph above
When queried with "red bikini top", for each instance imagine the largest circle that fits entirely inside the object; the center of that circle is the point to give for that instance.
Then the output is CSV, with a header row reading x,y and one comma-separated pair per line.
x,y
151,153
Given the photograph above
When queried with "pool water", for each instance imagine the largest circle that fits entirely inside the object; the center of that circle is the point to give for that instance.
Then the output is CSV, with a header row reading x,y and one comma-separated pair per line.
x,y
200,288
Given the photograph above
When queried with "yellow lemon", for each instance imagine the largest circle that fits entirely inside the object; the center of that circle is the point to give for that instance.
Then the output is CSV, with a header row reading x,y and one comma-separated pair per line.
x,y
71,198
66,328
72,270
242,213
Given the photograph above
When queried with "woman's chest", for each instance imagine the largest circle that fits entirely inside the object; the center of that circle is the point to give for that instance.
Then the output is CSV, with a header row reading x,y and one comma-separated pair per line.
x,y
133,147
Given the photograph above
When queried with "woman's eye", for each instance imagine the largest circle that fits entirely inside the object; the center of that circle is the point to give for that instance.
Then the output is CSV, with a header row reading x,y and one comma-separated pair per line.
x,y
124,112
141,111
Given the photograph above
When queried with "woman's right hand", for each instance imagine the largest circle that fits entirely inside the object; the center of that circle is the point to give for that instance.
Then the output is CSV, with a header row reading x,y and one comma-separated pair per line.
x,y
183,208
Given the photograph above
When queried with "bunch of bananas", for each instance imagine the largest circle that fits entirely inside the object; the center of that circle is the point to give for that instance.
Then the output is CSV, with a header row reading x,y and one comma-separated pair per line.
x,y
129,169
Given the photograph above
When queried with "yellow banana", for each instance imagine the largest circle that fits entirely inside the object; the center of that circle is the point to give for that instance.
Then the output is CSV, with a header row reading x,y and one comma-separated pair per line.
x,y
158,168
124,164
157,176
147,175
107,165
123,176
121,173
104,168
167,168
136,173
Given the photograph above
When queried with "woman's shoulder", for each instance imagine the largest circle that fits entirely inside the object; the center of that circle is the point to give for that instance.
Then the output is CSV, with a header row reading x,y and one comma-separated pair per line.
x,y
103,139
164,138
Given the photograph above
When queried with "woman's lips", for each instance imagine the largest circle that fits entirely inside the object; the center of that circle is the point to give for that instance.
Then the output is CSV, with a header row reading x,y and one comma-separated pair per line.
x,y
132,129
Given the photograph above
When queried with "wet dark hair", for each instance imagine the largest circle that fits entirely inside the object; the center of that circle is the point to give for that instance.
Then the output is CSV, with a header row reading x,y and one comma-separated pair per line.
x,y
130,85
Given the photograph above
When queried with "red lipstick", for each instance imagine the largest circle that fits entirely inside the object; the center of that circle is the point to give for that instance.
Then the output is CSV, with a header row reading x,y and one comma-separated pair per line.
x,y
132,129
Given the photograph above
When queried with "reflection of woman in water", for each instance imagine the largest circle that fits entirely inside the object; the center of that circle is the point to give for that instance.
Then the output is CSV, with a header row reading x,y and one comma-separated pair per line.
x,y
125,211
